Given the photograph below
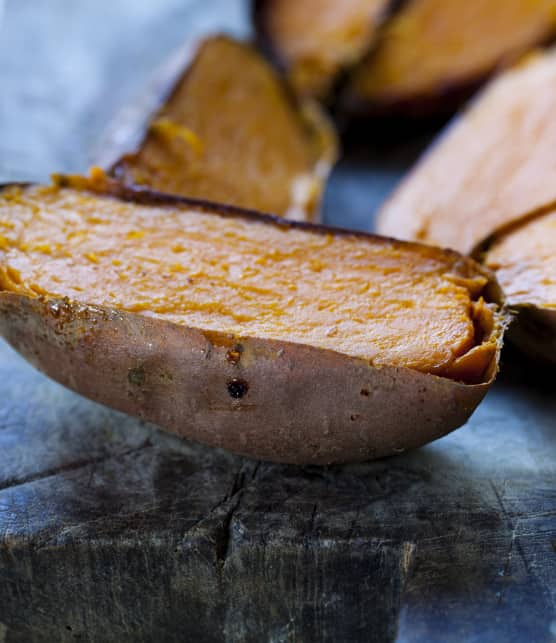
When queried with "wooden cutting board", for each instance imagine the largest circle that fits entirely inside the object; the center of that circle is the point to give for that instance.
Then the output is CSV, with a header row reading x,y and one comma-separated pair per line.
x,y
111,530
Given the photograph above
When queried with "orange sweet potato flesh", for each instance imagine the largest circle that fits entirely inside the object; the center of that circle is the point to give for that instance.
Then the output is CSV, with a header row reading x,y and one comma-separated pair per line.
x,y
524,259
230,132
389,303
494,165
315,40
434,48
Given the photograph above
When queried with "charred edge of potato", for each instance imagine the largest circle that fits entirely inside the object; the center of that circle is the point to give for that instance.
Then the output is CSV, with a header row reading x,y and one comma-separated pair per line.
x,y
265,399
137,120
446,99
266,43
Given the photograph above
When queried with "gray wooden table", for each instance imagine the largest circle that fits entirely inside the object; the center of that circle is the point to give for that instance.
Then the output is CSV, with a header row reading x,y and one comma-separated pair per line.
x,y
113,531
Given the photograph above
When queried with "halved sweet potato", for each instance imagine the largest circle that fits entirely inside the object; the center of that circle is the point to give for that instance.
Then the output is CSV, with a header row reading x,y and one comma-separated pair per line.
x,y
225,128
494,165
435,53
278,340
524,258
315,40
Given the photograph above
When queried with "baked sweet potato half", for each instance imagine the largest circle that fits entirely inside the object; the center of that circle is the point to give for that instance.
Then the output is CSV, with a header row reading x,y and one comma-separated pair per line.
x,y
314,41
434,53
277,340
495,164
524,258
219,124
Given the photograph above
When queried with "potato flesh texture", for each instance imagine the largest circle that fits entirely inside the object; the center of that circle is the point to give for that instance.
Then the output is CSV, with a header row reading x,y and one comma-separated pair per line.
x,y
432,44
317,38
495,164
374,299
525,262
252,146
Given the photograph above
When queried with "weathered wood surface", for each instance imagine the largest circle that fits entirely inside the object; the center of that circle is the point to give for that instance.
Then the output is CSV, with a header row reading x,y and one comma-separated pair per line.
x,y
112,531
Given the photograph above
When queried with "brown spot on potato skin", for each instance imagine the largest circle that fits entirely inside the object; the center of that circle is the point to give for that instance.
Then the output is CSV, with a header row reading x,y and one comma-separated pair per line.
x,y
237,388
136,376
365,392
233,356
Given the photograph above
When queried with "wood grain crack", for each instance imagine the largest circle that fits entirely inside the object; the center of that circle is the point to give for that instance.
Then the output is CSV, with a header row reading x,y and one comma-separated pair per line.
x,y
12,483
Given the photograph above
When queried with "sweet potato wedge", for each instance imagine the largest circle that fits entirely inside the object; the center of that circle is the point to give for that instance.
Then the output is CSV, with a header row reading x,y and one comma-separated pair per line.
x,y
495,164
524,258
315,40
219,124
278,340
434,53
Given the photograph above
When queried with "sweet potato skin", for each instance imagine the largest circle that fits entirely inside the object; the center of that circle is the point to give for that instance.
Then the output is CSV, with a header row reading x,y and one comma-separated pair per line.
x,y
264,399
126,136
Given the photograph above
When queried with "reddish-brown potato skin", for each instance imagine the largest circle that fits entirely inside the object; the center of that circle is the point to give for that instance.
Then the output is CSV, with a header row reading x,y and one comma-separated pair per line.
x,y
127,134
266,399
279,401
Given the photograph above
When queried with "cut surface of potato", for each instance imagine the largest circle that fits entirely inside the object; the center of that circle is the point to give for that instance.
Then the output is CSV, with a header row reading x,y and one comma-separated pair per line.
x,y
494,164
315,40
277,340
409,306
433,47
230,132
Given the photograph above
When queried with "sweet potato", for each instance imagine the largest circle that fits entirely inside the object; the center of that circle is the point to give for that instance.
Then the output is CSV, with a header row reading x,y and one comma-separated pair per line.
x,y
492,178
218,123
315,40
277,340
434,53
495,164
524,258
